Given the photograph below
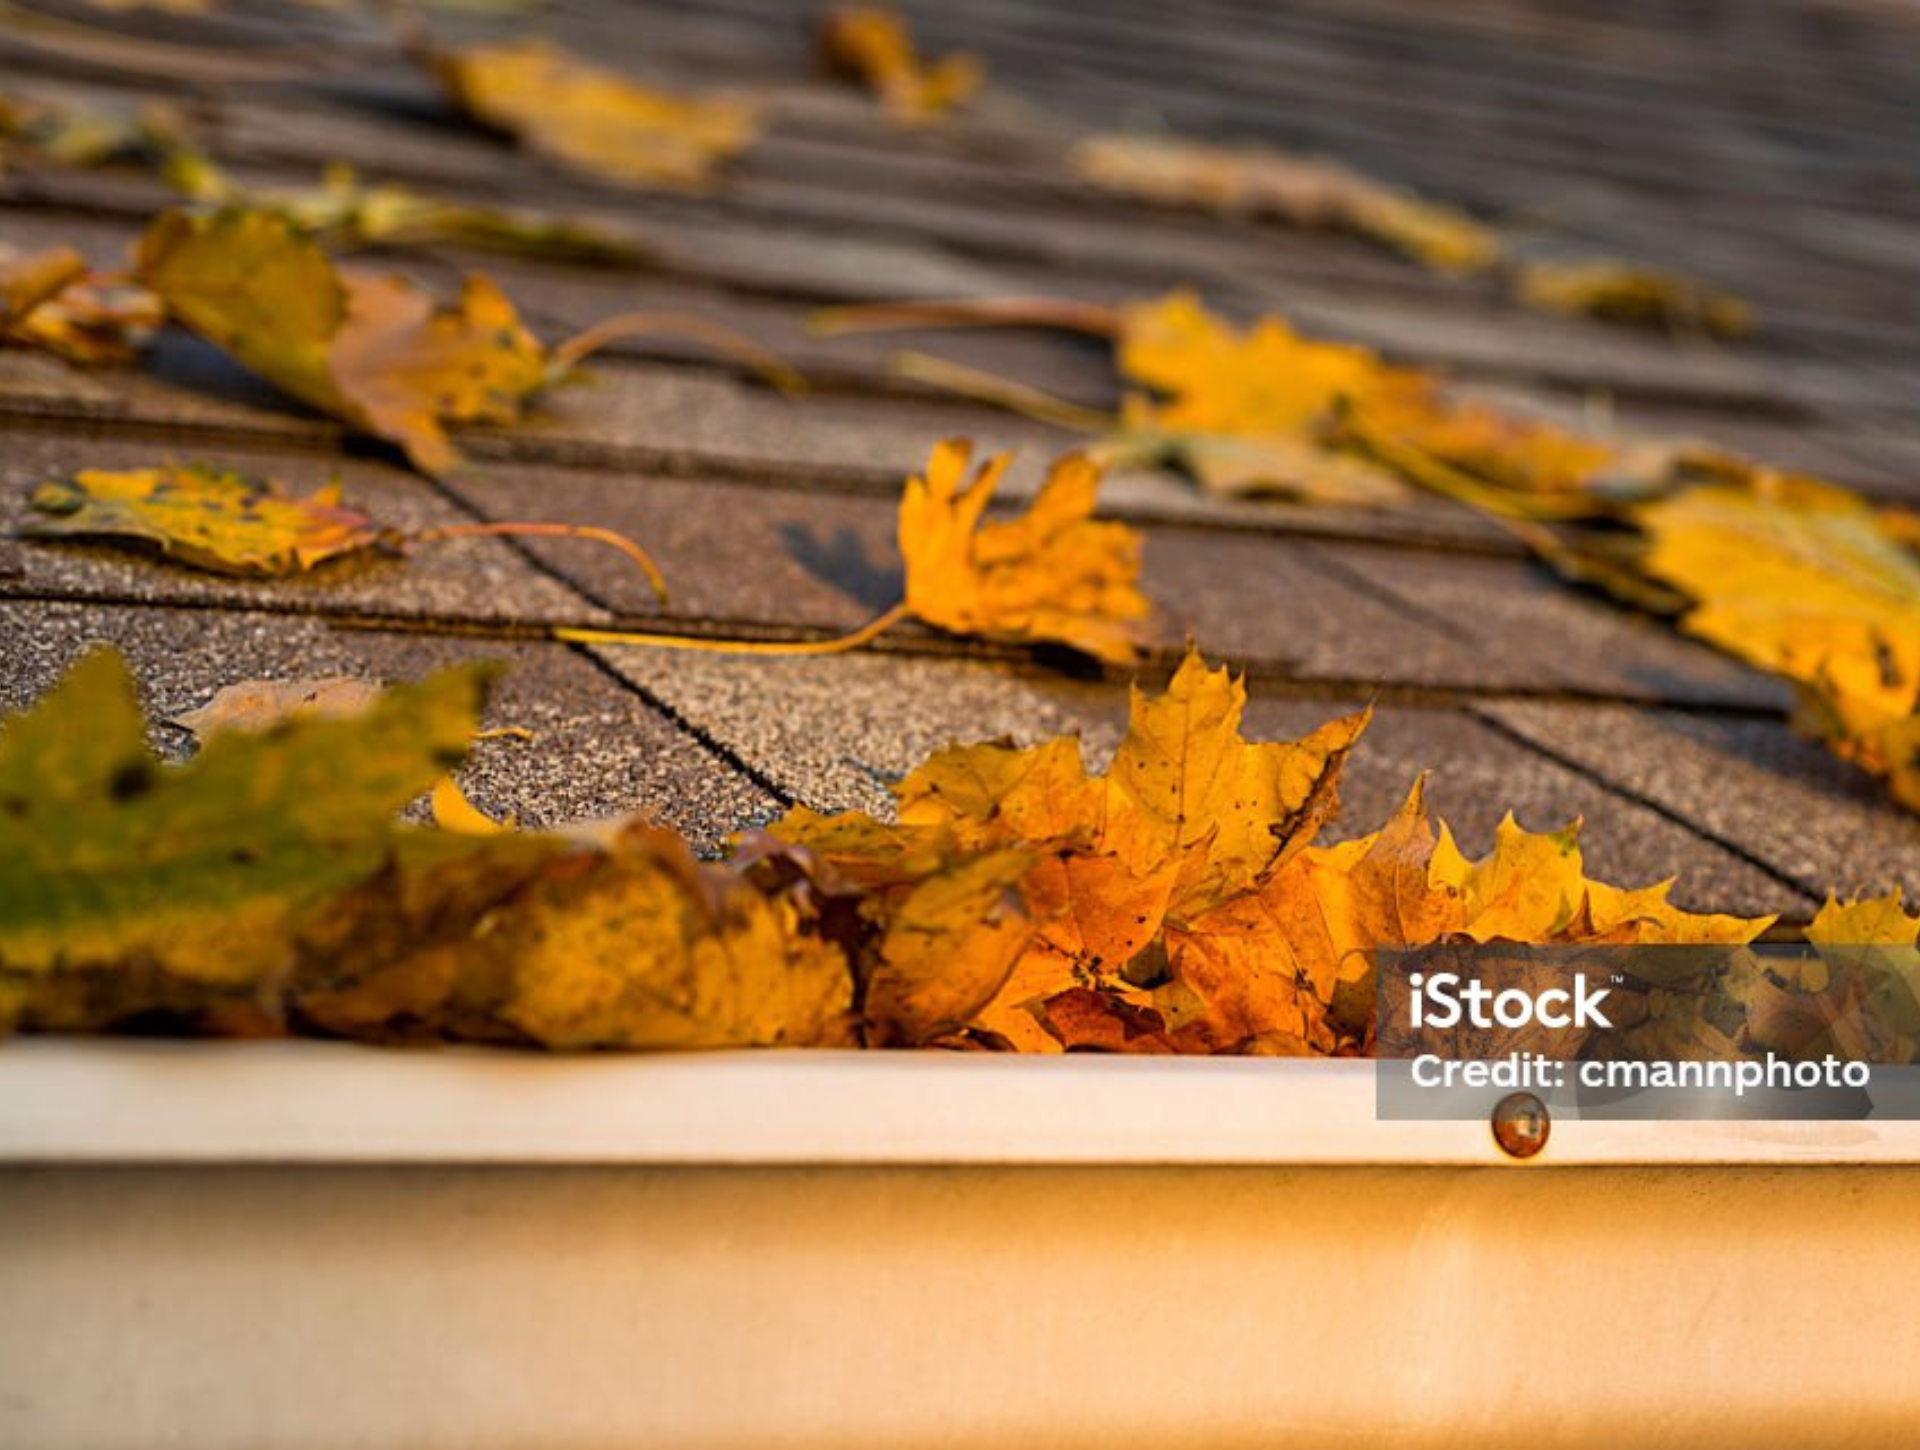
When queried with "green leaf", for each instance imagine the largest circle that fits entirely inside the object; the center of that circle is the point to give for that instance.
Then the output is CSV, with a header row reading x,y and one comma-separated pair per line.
x,y
195,871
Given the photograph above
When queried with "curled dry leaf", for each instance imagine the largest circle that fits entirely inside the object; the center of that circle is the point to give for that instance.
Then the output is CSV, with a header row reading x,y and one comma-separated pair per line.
x,y
1619,293
1257,181
374,351
592,119
1054,573
870,44
258,705
48,302
262,704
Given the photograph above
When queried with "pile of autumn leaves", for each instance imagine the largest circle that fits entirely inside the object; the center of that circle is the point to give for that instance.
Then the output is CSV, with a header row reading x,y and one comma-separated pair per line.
x,y
1179,901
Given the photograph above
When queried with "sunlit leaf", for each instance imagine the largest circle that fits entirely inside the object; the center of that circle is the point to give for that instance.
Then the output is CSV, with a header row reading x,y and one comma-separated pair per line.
x,y
1053,573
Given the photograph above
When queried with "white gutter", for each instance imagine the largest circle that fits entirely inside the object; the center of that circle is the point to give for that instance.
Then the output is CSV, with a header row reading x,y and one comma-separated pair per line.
x,y
85,1101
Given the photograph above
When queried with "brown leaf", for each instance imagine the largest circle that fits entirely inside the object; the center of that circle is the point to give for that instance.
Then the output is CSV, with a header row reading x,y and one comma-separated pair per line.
x,y
261,704
374,351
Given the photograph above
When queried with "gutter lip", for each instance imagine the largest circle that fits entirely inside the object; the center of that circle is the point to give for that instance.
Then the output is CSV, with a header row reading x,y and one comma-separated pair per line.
x,y
101,1102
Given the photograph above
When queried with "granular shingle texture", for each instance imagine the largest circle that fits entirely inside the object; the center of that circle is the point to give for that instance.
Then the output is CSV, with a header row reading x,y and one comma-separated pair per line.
x,y
1764,147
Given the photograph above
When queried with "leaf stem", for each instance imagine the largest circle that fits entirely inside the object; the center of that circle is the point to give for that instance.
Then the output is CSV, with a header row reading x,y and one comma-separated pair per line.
x,y
756,357
871,630
984,387
655,580
1059,313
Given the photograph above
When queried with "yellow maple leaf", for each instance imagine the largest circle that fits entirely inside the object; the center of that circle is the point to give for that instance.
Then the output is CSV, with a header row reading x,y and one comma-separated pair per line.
x,y
648,948
593,119
1054,573
347,211
1095,915
1787,571
1804,579
1207,376
1230,180
1184,785
374,351
1529,887
870,44
995,792
1841,928
262,704
1533,887
1289,965
233,523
